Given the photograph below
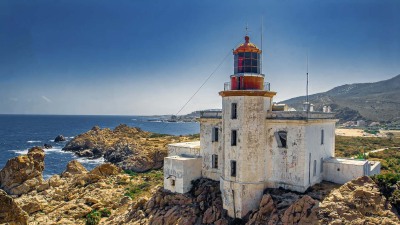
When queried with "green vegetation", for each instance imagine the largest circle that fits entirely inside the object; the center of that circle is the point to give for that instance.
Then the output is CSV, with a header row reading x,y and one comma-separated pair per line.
x,y
105,212
93,218
194,136
130,173
389,158
146,180
135,189
351,146
372,131
389,186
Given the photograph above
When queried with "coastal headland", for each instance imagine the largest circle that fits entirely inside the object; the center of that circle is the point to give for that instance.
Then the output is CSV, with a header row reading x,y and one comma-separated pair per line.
x,y
128,190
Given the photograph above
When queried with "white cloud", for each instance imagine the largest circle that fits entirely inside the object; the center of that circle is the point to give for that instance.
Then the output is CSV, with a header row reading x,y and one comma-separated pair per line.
x,y
46,99
13,99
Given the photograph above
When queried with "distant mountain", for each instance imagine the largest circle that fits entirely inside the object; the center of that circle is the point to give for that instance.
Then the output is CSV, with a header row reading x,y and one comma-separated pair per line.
x,y
379,101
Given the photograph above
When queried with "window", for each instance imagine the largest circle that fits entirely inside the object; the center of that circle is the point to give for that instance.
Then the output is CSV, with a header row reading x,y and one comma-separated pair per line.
x,y
234,111
315,168
322,137
214,134
172,182
281,139
233,168
234,138
215,161
322,165
247,62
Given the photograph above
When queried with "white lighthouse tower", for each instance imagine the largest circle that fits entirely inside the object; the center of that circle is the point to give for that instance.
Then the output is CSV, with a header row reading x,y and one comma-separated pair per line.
x,y
245,102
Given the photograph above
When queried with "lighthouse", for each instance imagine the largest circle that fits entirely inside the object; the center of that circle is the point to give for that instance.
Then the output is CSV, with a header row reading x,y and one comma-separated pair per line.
x,y
245,102
253,144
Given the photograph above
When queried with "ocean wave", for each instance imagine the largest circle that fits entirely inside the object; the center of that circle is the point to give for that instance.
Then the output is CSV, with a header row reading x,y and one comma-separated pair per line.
x,y
34,141
56,149
91,161
21,152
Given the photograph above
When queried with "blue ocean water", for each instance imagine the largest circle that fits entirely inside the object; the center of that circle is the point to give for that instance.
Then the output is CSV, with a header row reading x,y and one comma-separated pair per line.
x,y
18,133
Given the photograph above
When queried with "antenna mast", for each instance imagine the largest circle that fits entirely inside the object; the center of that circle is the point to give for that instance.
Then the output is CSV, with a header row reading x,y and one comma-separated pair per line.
x,y
262,53
308,108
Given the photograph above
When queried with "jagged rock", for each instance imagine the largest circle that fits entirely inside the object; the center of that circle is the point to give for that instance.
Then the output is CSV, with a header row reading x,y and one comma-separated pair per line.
x,y
23,173
357,202
302,212
47,146
59,138
73,167
56,181
266,214
105,170
120,151
10,212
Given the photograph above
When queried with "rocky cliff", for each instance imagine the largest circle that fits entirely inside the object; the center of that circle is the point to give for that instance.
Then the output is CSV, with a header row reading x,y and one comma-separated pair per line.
x,y
23,173
107,195
130,148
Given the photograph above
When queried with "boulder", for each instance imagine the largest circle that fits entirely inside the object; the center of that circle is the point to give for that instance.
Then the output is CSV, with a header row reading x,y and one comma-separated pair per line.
x,y
47,146
105,170
302,212
23,173
10,212
59,138
359,202
73,167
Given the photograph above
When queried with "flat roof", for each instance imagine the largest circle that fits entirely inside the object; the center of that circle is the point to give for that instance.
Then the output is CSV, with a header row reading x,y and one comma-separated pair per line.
x,y
193,144
346,161
182,157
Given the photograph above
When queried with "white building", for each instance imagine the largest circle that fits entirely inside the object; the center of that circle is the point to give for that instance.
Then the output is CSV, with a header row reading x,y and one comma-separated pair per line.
x,y
251,144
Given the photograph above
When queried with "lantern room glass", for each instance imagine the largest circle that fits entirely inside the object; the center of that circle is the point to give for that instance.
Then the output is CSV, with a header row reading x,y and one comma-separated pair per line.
x,y
247,62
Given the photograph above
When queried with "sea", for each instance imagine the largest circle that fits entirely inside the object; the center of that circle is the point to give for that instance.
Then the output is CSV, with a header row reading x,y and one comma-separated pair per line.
x,y
18,133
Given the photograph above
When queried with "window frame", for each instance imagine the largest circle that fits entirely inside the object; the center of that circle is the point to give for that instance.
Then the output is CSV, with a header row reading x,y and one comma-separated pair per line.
x,y
233,110
234,138
233,168
322,137
214,134
214,161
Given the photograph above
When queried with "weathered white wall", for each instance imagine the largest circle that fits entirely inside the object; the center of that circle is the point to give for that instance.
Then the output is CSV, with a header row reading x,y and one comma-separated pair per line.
x,y
240,198
341,171
375,168
285,166
208,147
183,170
249,153
312,140
289,167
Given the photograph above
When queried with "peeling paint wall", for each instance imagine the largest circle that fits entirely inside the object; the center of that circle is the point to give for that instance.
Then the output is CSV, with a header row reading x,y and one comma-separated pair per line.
x,y
291,167
242,193
209,147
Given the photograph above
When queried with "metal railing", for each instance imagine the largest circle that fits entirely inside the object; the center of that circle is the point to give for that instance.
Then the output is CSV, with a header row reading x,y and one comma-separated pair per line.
x,y
227,86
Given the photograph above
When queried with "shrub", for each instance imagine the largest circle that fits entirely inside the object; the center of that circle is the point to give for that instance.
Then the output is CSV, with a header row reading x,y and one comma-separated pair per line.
x,y
130,173
105,212
93,218
136,189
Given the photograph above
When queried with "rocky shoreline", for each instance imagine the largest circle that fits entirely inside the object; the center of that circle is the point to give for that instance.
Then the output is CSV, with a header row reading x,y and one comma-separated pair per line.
x,y
129,148
109,195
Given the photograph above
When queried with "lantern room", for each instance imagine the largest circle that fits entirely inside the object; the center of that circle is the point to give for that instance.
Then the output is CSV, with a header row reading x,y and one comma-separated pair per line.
x,y
247,72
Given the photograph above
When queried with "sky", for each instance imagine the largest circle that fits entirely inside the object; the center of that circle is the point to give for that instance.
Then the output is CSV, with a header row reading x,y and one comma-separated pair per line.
x,y
130,57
